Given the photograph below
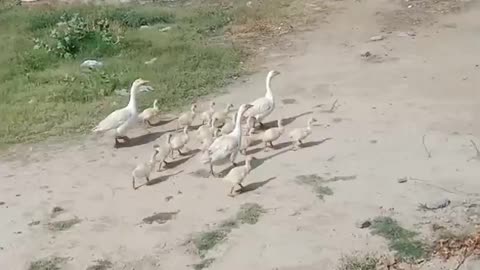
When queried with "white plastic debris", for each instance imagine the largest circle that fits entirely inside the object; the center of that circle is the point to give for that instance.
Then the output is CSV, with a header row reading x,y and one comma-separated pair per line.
x,y
91,64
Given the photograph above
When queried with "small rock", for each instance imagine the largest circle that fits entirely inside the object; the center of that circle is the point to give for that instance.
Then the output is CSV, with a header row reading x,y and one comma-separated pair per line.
x,y
465,78
377,38
402,180
18,195
143,27
366,54
2,203
363,224
151,61
436,204
57,209
249,4
34,223
165,29
168,198
91,64
410,6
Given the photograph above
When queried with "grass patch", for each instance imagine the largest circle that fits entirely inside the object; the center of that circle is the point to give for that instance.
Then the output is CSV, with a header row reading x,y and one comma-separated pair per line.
x,y
63,225
101,265
249,213
401,240
51,263
358,262
203,264
317,183
44,92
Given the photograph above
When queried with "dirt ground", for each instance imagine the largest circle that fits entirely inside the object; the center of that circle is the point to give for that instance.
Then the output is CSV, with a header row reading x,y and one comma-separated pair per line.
x,y
420,81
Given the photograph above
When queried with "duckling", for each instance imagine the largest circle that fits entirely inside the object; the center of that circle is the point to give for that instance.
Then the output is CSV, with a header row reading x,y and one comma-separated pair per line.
x,y
272,134
207,141
186,119
205,131
236,175
163,151
246,141
218,118
299,134
228,126
179,141
143,170
149,113
207,115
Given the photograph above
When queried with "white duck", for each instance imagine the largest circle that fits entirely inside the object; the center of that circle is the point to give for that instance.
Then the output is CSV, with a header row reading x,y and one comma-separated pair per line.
x,y
143,170
218,118
272,134
163,150
207,115
299,134
208,140
205,131
179,141
236,175
264,106
225,148
149,113
123,119
247,140
186,119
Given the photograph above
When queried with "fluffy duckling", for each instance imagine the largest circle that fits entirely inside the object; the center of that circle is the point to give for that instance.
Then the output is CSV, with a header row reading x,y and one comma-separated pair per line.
x,y
299,134
246,141
143,170
164,150
207,115
207,141
236,175
218,118
228,126
179,141
205,131
186,119
149,113
272,134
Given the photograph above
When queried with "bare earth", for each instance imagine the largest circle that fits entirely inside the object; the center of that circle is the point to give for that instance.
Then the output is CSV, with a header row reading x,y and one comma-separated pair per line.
x,y
420,80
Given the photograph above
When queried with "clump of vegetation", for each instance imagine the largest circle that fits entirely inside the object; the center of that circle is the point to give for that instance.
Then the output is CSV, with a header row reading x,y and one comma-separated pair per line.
x,y
359,262
205,263
100,265
249,213
51,263
44,92
317,184
401,240
63,225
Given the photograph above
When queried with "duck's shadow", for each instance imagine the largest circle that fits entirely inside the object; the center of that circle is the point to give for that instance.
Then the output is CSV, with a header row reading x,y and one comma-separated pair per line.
x,y
285,121
161,178
256,185
162,122
142,139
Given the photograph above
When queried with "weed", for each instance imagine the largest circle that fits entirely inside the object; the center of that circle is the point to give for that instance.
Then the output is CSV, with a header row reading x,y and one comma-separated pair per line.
x,y
401,240
205,263
249,213
52,263
63,225
100,265
317,184
358,262
43,91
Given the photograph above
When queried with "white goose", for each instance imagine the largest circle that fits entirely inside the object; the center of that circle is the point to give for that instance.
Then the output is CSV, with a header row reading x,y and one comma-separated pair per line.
x,y
299,134
123,119
207,115
263,107
225,148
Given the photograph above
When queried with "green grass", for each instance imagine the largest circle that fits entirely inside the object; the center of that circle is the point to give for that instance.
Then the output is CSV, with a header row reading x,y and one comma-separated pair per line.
x,y
401,240
317,183
52,263
249,213
44,92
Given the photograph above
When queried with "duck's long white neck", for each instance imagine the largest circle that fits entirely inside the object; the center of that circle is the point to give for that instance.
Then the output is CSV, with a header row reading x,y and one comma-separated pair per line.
x,y
237,131
132,103
269,93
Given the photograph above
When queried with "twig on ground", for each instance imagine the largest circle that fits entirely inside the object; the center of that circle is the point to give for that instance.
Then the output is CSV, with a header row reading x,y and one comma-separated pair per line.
x,y
462,261
477,155
334,106
429,154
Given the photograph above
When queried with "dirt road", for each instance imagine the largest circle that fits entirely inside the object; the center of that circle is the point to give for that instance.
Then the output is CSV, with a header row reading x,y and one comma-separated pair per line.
x,y
419,81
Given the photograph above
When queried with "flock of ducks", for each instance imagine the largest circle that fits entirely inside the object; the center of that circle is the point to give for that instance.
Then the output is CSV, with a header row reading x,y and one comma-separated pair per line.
x,y
221,137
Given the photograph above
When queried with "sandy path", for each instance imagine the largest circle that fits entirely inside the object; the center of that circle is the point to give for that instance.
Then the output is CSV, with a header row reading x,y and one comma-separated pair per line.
x,y
418,85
